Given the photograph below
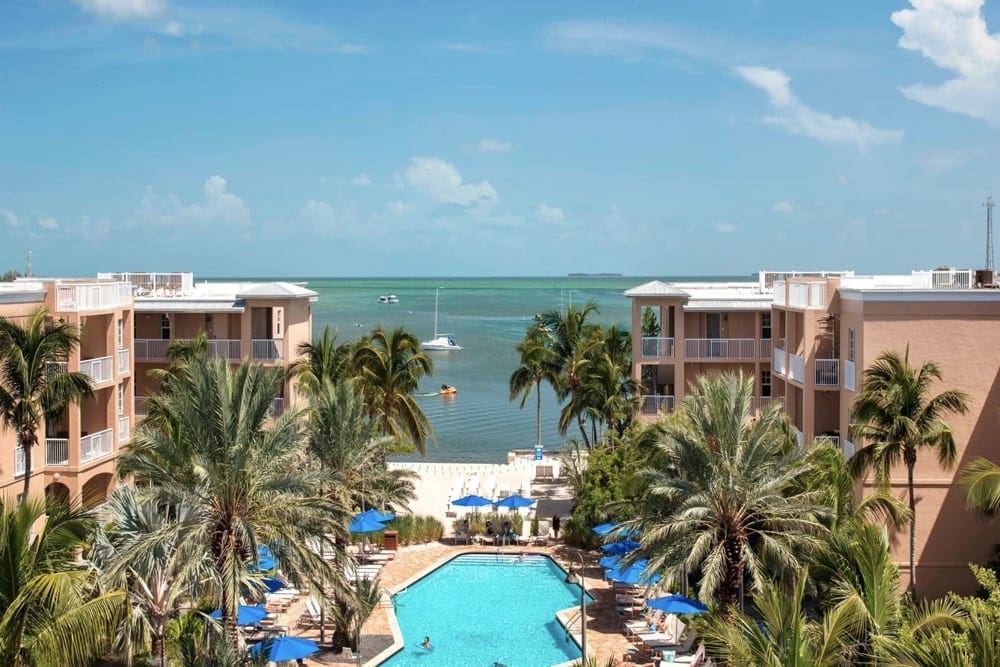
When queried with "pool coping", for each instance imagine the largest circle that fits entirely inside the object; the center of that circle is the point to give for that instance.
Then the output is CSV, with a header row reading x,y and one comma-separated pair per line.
x,y
397,634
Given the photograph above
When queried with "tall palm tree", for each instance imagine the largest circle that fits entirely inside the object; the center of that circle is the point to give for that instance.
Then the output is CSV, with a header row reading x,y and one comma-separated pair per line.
x,y
241,477
608,394
322,359
50,610
390,365
538,364
896,417
33,386
724,496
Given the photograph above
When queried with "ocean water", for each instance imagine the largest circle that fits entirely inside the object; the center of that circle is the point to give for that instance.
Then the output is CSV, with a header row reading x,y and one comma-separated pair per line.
x,y
488,316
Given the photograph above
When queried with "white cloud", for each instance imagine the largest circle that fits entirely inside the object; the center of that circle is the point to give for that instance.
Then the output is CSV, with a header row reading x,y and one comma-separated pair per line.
x,y
11,219
22,224
123,10
549,214
494,146
944,160
218,206
783,207
320,216
632,41
790,114
441,183
362,180
178,29
954,36
48,223
726,227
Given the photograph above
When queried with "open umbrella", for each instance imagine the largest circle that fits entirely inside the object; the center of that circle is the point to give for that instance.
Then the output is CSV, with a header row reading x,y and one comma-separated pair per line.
x,y
375,515
365,525
472,501
609,562
622,547
515,501
245,615
280,649
265,560
677,604
632,574
606,528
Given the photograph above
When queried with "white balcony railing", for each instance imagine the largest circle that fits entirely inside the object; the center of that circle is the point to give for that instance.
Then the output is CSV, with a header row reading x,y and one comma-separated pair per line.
x,y
228,349
720,348
18,461
99,370
277,408
807,295
796,368
655,404
943,279
267,349
828,372
779,363
848,449
779,292
123,365
150,348
155,348
96,445
92,296
799,438
653,347
849,374
141,409
56,451
765,348
832,439
764,401
124,429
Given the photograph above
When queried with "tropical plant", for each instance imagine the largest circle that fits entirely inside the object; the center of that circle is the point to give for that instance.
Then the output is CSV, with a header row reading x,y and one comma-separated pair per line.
x,y
650,325
721,498
608,395
241,478
324,359
33,386
350,612
981,481
896,417
51,612
390,365
538,364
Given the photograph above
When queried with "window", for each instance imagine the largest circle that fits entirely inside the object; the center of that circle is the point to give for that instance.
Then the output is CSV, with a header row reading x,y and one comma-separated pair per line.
x,y
121,333
164,327
765,383
850,344
121,398
765,325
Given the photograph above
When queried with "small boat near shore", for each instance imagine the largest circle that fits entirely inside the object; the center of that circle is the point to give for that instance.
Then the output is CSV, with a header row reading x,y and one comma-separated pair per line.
x,y
388,298
448,390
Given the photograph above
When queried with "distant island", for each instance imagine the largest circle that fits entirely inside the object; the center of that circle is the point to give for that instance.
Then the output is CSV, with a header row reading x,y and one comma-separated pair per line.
x,y
596,275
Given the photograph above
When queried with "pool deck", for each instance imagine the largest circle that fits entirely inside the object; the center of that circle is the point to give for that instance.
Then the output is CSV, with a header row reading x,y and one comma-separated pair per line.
x,y
381,636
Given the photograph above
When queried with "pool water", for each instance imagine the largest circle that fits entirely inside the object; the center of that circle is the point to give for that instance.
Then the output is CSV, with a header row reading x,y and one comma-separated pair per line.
x,y
483,609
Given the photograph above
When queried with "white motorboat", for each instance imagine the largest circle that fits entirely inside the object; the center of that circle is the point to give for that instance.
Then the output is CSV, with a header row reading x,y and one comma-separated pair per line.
x,y
441,341
388,298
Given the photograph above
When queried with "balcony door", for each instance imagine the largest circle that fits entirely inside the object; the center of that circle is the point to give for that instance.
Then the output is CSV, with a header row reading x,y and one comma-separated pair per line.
x,y
713,331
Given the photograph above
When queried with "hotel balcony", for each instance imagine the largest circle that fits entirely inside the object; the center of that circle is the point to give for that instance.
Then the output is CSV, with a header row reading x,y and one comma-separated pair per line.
x,y
155,349
57,451
96,445
765,348
779,363
655,404
720,348
92,296
832,439
654,348
828,372
99,370
268,349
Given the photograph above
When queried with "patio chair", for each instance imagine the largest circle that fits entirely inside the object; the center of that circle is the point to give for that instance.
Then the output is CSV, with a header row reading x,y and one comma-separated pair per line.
x,y
543,533
692,660
662,645
525,536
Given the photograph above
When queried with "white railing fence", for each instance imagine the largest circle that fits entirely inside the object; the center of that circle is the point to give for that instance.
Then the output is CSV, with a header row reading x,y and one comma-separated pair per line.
x,y
225,349
277,408
56,451
654,404
720,348
99,370
96,445
765,348
657,347
944,279
832,439
92,296
779,363
267,349
151,348
807,295
828,372
849,375
124,429
123,365
141,409
796,368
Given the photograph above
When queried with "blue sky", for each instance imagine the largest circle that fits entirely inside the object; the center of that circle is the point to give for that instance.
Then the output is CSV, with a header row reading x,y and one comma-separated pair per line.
x,y
518,138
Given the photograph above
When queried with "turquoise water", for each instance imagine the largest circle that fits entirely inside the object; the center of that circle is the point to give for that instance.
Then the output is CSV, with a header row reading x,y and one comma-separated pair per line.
x,y
488,317
481,609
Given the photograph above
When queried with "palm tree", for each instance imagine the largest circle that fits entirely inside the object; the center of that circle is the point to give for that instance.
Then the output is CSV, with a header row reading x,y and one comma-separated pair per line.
x,y
724,495
896,417
240,476
608,394
33,386
322,359
50,610
538,364
390,365
981,481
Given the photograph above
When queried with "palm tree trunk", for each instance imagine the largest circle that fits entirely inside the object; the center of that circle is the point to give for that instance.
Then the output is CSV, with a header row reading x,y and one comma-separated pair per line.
x,y
159,649
583,431
27,442
538,417
913,527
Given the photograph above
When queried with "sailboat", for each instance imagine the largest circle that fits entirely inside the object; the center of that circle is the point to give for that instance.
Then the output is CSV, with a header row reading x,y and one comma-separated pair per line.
x,y
441,341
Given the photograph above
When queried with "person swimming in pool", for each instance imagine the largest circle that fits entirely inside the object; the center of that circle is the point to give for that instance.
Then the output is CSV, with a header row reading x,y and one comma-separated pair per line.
x,y
426,643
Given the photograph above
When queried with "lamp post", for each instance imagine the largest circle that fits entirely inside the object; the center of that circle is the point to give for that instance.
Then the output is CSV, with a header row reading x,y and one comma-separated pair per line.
x,y
581,580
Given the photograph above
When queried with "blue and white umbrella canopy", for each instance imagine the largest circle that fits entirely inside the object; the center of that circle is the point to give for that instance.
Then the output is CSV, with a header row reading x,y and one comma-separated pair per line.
x,y
605,528
632,574
365,525
245,615
280,649
515,501
622,547
609,562
375,515
472,501
677,604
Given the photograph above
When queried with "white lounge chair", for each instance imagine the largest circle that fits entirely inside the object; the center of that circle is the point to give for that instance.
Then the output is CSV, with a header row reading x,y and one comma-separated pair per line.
x,y
525,536
543,533
692,660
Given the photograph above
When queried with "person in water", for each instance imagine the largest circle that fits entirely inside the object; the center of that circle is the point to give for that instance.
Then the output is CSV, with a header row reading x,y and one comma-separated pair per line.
x,y
426,643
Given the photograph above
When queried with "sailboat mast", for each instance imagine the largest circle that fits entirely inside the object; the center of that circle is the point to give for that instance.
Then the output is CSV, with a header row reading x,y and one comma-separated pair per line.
x,y
437,291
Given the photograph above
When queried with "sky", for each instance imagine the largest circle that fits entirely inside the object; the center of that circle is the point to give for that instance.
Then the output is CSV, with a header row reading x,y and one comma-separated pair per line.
x,y
323,138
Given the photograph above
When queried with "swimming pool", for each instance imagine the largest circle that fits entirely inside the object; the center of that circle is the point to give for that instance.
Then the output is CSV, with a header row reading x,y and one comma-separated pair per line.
x,y
482,609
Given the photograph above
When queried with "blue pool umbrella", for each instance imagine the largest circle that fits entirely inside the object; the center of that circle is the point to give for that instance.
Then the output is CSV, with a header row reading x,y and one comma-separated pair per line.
x,y
375,515
609,562
606,528
279,649
622,547
365,525
515,501
472,501
273,584
633,574
677,604
245,615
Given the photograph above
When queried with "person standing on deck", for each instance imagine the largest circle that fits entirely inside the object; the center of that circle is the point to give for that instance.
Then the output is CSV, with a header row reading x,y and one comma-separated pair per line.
x,y
555,526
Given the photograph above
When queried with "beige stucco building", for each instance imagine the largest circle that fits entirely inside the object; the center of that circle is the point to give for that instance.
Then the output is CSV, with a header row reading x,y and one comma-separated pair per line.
x,y
820,332
126,321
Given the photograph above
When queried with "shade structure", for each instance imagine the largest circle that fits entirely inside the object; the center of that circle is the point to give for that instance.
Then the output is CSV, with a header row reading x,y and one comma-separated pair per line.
x,y
245,615
677,604
273,584
365,525
622,547
472,501
279,649
375,515
609,562
606,528
265,560
632,574
515,501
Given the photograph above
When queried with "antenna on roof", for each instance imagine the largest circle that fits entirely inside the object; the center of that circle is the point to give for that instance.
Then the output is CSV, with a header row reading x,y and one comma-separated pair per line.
x,y
989,232
29,273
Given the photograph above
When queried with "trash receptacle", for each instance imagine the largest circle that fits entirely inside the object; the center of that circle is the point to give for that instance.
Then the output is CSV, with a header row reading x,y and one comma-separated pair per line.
x,y
390,540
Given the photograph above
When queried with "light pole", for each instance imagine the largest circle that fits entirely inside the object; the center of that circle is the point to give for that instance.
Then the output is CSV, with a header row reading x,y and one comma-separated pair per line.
x,y
578,578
